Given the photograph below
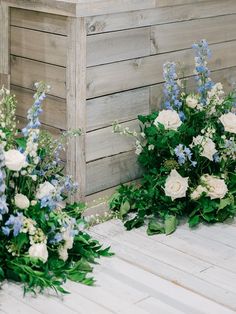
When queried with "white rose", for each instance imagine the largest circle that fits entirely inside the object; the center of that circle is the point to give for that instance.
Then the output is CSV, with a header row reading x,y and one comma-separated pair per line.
x,y
176,186
14,160
63,253
208,146
229,122
169,118
21,201
216,188
45,189
191,101
197,193
40,251
69,240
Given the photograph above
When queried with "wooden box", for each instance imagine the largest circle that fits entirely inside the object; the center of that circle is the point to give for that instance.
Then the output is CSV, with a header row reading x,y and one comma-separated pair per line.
x,y
103,60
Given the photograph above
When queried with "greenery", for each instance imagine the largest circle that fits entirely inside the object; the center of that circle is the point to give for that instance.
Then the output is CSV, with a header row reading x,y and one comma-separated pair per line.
x,y
188,155
43,241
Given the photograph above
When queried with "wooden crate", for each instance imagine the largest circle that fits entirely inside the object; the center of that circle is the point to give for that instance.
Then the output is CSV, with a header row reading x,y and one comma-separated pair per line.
x,y
103,60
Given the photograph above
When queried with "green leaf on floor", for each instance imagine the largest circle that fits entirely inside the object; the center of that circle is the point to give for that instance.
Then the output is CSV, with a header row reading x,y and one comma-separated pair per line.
x,y
170,224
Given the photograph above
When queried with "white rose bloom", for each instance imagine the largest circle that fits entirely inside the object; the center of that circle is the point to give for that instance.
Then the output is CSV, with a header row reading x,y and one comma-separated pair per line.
x,y
45,189
198,192
69,240
216,188
40,251
14,160
169,118
63,253
191,101
229,122
208,146
176,186
21,201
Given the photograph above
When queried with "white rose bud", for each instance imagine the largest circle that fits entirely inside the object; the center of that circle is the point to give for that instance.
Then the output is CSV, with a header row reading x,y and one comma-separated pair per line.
x,y
45,189
169,118
14,160
229,122
176,186
191,101
40,251
21,201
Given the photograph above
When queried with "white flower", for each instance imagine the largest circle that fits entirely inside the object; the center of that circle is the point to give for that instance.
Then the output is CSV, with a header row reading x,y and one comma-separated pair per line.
x,y
229,122
63,253
33,202
45,189
208,146
197,193
14,160
67,237
216,188
191,101
169,118
21,201
151,147
40,251
176,186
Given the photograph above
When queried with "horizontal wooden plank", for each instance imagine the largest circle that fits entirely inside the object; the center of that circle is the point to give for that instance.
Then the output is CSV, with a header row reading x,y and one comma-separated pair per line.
x,y
103,142
101,48
111,171
148,71
25,73
54,109
40,46
178,36
121,107
116,46
162,15
40,21
226,76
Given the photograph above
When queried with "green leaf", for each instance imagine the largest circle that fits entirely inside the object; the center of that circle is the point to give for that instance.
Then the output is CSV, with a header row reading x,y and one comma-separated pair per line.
x,y
170,224
155,227
193,221
124,208
224,202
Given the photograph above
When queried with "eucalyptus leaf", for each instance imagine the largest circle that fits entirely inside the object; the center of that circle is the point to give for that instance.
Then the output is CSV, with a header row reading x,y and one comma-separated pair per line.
x,y
170,224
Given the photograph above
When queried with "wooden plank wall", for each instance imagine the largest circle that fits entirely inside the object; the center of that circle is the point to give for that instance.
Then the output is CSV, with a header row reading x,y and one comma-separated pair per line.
x,y
125,55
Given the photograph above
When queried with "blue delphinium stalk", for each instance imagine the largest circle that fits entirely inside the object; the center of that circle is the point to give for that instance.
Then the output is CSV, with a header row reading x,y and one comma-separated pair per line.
x,y
183,154
3,201
202,53
172,89
14,223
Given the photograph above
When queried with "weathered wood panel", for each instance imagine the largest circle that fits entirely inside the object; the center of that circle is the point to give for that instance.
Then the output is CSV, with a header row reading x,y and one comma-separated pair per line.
x,y
103,143
111,171
54,109
178,36
4,45
26,72
148,71
103,111
163,15
40,21
44,47
122,45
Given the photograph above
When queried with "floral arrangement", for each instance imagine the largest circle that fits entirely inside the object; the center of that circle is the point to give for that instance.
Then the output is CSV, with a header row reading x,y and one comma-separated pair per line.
x,y
188,155
43,239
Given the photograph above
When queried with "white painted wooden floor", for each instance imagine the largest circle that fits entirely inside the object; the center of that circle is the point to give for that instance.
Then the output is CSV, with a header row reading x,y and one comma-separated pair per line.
x,y
188,272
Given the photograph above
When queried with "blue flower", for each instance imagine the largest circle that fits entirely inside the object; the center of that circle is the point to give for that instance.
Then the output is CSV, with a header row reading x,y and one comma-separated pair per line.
x,y
15,223
183,154
3,200
171,88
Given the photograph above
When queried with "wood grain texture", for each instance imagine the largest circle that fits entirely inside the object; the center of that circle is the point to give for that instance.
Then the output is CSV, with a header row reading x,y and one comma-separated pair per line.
x,y
4,44
54,109
103,143
40,21
76,101
120,107
147,71
162,15
107,172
